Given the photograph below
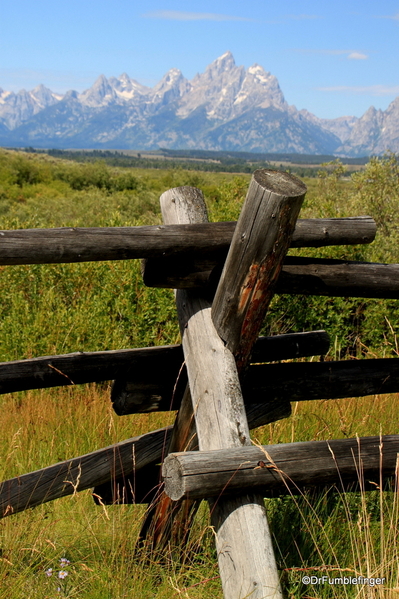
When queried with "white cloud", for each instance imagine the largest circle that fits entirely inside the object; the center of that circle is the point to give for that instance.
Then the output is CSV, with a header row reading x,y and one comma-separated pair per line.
x,y
372,90
350,54
393,17
177,15
357,56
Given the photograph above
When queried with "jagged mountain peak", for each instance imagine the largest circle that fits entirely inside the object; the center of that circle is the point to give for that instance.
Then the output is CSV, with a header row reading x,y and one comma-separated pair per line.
x,y
215,89
44,96
170,78
99,94
220,69
172,86
224,62
259,88
127,89
374,133
100,85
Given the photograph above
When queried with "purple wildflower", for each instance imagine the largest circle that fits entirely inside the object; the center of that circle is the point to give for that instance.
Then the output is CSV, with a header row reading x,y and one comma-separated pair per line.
x,y
62,574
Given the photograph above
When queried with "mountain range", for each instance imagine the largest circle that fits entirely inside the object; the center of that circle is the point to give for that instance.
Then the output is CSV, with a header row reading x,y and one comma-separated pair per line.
x,y
227,107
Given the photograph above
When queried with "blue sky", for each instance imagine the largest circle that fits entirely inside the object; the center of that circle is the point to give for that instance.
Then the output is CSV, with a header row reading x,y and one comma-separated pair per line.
x,y
333,58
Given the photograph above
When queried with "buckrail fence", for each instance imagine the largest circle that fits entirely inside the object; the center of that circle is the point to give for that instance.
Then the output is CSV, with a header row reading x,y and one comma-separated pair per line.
x,y
222,380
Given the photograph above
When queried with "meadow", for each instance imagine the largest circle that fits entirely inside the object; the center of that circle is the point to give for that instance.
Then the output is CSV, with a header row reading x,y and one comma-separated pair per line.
x,y
56,309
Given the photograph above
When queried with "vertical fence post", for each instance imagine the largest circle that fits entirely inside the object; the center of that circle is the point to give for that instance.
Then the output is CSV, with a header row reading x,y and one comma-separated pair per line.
x,y
259,245
168,519
263,234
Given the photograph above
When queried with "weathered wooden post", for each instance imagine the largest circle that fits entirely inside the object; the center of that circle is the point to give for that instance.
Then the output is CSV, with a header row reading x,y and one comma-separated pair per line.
x,y
260,242
182,205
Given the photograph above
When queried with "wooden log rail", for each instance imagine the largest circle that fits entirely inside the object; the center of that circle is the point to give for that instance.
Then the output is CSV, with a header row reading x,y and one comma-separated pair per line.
x,y
339,278
135,462
276,385
306,276
117,472
127,472
90,367
283,468
131,457
203,240
268,390
140,364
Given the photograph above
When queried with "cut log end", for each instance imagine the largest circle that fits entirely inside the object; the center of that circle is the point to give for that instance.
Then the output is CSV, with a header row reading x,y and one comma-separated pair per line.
x,y
280,182
280,469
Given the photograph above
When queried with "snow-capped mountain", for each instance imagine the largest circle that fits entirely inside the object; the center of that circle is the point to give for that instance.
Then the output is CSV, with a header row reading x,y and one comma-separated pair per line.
x,y
227,107
374,133
20,107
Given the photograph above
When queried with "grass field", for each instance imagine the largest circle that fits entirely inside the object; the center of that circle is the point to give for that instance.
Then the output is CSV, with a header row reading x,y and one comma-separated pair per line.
x,y
86,307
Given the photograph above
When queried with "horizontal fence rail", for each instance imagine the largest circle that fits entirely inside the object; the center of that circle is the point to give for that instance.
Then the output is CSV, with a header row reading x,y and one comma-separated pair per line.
x,y
127,472
137,455
339,278
304,276
90,367
268,386
209,240
283,468
138,390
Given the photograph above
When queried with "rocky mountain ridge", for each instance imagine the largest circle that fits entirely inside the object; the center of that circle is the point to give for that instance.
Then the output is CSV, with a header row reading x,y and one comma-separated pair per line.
x,y
227,107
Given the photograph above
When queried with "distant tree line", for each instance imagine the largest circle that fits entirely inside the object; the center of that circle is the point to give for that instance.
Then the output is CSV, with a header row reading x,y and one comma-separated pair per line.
x,y
302,165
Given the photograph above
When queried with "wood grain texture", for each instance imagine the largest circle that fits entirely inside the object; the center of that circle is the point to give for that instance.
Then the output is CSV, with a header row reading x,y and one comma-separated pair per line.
x,y
260,242
279,469
68,244
214,383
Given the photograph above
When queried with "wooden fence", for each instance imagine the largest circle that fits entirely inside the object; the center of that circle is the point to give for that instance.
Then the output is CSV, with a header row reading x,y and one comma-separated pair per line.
x,y
220,380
